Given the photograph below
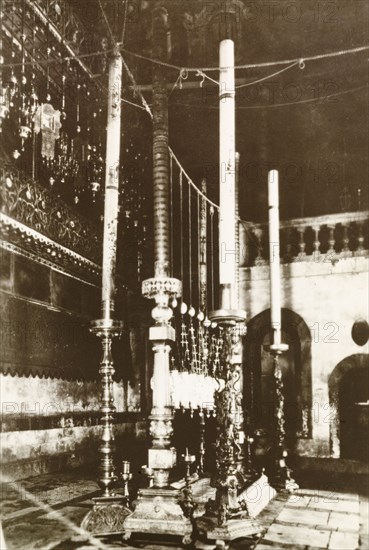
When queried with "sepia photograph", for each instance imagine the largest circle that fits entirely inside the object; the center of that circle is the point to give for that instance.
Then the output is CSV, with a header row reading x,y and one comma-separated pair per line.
x,y
184,274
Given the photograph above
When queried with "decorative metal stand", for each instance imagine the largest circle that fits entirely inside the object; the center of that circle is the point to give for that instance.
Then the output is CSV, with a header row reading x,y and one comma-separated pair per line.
x,y
158,510
282,478
110,510
231,515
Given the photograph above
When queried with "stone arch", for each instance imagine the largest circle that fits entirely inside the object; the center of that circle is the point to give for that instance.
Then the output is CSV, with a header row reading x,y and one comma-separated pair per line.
x,y
297,334
349,365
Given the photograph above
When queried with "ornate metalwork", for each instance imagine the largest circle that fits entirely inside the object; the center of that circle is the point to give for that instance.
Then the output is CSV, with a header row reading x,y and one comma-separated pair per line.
x,y
106,330
166,286
279,415
282,476
29,203
106,517
228,478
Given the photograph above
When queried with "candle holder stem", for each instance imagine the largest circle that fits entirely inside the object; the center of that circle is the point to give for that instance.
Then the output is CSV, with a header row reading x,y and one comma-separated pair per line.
x,y
200,468
110,510
282,478
231,515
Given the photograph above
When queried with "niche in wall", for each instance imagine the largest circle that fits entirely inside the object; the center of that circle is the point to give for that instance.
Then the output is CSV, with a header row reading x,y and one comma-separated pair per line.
x,y
349,401
259,388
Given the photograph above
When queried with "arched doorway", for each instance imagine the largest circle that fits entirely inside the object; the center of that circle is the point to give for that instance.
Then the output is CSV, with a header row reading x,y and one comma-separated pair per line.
x,y
259,389
349,398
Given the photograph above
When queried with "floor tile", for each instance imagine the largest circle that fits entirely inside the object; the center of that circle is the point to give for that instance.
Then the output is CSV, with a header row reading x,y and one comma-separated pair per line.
x,y
288,534
329,496
298,501
343,541
349,506
344,522
311,517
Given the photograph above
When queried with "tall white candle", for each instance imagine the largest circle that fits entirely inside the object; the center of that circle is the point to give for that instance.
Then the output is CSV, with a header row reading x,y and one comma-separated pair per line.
x,y
227,171
111,187
274,253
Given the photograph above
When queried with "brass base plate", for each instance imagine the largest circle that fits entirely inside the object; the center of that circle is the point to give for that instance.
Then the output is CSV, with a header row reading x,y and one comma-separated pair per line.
x,y
208,527
158,513
256,497
106,517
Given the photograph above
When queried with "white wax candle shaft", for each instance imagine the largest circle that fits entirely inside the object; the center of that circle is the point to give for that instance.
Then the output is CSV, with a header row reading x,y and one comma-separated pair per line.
x,y
274,252
111,187
227,237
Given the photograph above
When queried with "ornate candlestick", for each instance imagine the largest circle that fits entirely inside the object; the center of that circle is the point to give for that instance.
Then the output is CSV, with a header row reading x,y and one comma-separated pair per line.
x,y
228,517
158,509
187,500
126,476
187,460
109,511
283,474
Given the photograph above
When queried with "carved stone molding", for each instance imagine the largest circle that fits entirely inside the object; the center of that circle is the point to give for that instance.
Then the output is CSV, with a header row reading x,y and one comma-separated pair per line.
x,y
38,209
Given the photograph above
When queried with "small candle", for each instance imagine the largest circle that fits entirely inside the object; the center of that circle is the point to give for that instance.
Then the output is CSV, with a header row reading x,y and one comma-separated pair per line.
x,y
126,467
187,452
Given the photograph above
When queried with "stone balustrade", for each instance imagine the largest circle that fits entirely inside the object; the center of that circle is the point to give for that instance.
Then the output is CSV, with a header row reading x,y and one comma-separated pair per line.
x,y
323,238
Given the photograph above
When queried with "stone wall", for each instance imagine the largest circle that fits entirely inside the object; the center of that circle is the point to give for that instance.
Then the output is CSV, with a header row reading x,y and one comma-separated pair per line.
x,y
329,297
49,369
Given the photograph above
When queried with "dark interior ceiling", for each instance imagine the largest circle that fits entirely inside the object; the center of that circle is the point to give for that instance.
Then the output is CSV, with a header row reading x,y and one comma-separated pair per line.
x,y
319,143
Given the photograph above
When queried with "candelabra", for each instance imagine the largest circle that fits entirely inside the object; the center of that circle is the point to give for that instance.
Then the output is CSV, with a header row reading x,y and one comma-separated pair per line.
x,y
228,517
110,510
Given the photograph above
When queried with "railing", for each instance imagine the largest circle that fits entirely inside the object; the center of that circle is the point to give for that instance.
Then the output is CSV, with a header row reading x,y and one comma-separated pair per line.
x,y
329,238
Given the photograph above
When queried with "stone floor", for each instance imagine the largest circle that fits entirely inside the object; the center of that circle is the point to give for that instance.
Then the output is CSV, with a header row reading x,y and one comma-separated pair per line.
x,y
45,512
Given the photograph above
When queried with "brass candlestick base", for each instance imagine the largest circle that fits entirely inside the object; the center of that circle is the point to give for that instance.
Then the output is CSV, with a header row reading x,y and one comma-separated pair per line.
x,y
230,515
107,516
110,510
158,512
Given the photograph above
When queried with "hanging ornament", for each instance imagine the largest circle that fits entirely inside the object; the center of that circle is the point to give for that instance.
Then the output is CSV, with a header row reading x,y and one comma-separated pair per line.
x,y
95,188
47,121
